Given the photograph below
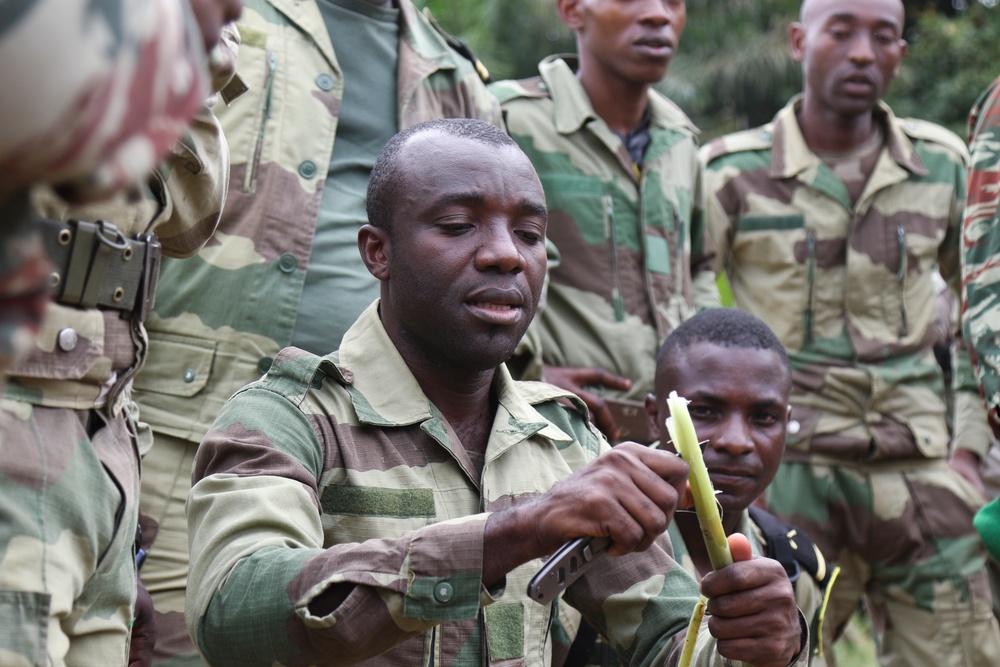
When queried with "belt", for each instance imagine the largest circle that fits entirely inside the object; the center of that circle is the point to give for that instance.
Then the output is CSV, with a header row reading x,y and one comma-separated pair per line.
x,y
97,265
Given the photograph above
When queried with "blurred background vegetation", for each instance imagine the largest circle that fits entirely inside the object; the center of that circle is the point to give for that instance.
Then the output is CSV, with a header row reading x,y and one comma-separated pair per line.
x,y
733,70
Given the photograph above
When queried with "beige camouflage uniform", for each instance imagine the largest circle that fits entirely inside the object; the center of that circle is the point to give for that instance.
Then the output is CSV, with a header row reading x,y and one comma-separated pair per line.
x,y
222,316
850,292
633,256
69,470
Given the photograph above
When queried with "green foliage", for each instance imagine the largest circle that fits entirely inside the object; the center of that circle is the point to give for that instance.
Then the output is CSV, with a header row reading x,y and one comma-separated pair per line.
x,y
947,66
733,69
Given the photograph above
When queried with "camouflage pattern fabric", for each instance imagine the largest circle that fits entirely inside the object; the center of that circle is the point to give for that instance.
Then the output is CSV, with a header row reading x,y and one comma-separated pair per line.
x,y
69,474
634,257
337,470
850,292
981,247
68,514
122,79
221,316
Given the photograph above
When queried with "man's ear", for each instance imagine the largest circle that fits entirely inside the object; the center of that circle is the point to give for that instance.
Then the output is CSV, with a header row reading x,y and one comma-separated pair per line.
x,y
376,250
797,41
569,13
652,414
902,55
788,414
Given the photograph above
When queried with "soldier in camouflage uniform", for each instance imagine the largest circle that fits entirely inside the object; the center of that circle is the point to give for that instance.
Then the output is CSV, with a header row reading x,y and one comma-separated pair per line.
x,y
69,474
284,268
84,128
624,189
830,222
387,504
981,247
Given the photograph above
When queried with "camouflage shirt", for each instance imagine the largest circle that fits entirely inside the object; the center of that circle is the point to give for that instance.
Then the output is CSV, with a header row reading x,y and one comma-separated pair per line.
x,y
337,470
634,259
981,245
849,290
223,315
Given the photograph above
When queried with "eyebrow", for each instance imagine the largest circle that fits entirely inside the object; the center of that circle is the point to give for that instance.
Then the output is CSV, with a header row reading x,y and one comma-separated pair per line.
x,y
712,398
478,199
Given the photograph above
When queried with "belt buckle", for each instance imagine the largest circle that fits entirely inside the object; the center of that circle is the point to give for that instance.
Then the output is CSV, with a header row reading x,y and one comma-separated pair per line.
x,y
150,274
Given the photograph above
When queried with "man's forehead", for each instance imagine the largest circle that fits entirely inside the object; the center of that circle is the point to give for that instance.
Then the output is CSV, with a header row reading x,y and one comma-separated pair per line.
x,y
813,11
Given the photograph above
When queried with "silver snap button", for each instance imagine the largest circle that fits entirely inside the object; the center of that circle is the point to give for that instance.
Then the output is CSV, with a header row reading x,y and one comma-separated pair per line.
x,y
67,340
189,375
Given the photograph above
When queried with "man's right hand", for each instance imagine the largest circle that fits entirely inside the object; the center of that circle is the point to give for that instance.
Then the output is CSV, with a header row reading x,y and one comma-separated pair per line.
x,y
575,379
628,494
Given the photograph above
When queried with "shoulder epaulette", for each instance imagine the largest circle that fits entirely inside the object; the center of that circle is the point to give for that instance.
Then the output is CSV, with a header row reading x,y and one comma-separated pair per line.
x,y
757,139
511,89
460,47
924,130
791,547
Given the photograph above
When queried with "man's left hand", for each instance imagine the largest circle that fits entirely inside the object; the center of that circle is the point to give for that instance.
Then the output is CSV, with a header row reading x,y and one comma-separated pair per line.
x,y
753,613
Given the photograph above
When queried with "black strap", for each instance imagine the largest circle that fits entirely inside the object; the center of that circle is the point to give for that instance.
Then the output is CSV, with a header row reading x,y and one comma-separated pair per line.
x,y
791,547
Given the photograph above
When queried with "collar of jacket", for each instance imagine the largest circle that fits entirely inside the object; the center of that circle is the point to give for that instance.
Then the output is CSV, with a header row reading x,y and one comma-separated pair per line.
x,y
791,156
421,40
573,108
385,393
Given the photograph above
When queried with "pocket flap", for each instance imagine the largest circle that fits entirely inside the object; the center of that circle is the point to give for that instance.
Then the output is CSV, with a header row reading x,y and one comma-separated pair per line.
x,y
176,365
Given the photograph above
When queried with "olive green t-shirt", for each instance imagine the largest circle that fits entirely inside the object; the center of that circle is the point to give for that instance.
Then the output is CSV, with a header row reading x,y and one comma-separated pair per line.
x,y
338,286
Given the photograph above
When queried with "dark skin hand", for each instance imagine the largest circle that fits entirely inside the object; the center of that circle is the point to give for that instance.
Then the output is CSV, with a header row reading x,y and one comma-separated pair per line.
x,y
576,379
140,650
737,620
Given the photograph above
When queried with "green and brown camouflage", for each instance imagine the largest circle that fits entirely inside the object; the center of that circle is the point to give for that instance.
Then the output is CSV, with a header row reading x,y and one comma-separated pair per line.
x,y
122,78
849,290
69,474
82,129
68,511
222,316
634,255
981,246
338,471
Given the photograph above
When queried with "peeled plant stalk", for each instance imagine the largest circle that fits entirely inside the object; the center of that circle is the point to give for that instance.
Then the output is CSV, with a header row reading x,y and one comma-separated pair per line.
x,y
685,440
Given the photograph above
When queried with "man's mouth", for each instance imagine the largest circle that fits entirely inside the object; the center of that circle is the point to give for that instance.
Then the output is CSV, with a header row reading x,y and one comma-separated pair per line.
x,y
657,45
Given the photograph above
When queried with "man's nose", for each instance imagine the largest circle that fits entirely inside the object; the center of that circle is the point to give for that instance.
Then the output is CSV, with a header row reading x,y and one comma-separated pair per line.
x,y
656,12
734,436
499,250
862,49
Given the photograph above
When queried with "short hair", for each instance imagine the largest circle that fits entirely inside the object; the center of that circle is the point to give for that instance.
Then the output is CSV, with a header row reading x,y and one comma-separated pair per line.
x,y
383,184
725,327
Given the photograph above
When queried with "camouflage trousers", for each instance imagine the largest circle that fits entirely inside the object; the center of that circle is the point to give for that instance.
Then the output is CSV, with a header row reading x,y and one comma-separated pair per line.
x,y
69,483
902,534
166,480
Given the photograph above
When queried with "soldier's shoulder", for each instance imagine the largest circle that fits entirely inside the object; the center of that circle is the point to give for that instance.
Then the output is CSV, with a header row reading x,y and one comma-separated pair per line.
x,y
924,130
458,46
758,139
293,372
511,89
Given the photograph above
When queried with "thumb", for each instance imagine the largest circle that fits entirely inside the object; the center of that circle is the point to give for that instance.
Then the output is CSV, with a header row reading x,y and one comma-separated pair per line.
x,y
739,546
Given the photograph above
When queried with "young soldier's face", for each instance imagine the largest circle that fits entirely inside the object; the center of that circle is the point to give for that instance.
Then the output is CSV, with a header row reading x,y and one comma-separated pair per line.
x,y
739,404
631,40
850,51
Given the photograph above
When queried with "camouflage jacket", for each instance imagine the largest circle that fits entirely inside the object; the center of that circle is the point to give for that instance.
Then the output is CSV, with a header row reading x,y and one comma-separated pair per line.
x,y
81,129
122,78
981,246
633,255
222,316
337,470
849,290
86,357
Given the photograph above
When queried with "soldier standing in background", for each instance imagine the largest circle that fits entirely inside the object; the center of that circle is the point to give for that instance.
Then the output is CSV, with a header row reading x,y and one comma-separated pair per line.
x,y
330,82
619,163
70,469
830,223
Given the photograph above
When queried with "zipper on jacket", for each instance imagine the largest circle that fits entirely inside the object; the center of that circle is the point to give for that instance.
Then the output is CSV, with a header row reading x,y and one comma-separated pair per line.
x,y
809,316
904,326
250,182
609,230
